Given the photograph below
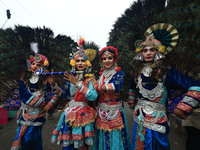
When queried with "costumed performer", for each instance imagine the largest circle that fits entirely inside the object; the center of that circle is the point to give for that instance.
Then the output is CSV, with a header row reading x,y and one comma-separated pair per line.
x,y
152,77
33,105
111,125
75,128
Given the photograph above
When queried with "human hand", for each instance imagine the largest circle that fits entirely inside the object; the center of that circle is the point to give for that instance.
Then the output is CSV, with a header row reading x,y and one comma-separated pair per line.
x,y
94,81
70,77
131,103
51,79
45,109
181,114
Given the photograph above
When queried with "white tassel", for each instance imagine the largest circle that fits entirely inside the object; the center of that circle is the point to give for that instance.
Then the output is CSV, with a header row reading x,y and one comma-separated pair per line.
x,y
34,47
166,3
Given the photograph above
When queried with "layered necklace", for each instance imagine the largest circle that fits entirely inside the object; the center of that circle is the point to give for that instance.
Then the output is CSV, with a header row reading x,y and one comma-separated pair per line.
x,y
108,73
149,94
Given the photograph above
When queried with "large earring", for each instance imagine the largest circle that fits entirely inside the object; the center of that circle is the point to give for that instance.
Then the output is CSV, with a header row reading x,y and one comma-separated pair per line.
x,y
73,69
158,56
102,66
28,65
88,69
138,57
115,65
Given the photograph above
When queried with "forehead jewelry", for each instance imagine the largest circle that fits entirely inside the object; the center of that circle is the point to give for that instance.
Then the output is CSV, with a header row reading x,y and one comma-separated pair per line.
x,y
107,52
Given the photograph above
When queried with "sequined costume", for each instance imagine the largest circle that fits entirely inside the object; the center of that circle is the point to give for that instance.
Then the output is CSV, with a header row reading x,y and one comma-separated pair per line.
x,y
150,118
149,87
75,127
29,117
112,131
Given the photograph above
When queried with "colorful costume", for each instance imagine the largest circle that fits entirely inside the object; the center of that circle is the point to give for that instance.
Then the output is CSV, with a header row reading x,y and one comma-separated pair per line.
x,y
151,126
30,118
76,124
111,125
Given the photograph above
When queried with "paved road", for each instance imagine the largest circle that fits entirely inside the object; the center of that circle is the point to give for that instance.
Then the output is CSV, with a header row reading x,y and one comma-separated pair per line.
x,y
7,133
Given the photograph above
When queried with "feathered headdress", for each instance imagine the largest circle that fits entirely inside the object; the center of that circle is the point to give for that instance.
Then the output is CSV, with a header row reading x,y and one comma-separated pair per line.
x,y
38,57
80,53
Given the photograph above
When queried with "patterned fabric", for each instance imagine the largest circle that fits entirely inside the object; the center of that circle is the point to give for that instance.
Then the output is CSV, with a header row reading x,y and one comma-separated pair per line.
x,y
112,132
29,117
76,124
174,97
13,102
144,136
144,139
114,139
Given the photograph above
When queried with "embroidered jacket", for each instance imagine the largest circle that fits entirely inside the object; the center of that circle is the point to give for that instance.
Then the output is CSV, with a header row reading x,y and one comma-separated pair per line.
x,y
109,108
147,95
32,100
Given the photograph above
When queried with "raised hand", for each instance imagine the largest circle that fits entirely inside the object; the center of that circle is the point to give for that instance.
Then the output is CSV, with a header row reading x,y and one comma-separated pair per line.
x,y
71,78
51,79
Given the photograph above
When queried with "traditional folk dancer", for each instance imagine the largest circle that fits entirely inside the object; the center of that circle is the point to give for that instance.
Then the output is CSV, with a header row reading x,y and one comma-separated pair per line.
x,y
75,128
148,89
32,94
111,125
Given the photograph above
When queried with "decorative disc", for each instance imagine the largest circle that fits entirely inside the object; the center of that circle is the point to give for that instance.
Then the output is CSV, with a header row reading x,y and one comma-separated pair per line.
x,y
165,33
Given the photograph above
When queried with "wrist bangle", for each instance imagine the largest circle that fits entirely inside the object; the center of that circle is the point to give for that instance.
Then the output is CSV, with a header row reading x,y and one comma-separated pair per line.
x,y
53,101
79,85
106,87
50,104
101,87
55,88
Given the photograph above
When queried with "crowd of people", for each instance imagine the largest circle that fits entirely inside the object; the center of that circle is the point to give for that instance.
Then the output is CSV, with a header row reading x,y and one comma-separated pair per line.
x,y
94,114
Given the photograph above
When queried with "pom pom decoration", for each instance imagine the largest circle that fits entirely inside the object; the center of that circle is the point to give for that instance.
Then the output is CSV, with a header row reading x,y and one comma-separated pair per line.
x,y
138,49
73,63
161,49
118,69
88,75
81,41
46,63
88,63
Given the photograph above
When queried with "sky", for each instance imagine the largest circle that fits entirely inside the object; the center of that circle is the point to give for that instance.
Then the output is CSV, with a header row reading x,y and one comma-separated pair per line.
x,y
91,19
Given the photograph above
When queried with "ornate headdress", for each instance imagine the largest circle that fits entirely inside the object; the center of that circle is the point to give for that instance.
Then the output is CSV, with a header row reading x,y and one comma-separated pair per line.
x,y
162,36
111,50
88,54
37,58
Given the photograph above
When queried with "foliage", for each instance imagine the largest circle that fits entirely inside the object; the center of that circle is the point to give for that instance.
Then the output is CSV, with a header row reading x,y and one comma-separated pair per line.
x,y
15,50
183,14
131,27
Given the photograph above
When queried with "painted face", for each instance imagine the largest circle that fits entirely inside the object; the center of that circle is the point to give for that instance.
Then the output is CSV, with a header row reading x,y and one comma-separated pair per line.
x,y
35,66
108,60
148,53
81,64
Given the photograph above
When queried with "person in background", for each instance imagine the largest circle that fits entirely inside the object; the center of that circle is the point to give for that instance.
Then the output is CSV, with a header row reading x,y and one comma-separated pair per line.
x,y
189,111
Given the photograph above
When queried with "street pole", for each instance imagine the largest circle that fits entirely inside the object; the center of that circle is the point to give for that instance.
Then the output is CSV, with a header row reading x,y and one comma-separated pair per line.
x,y
8,17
